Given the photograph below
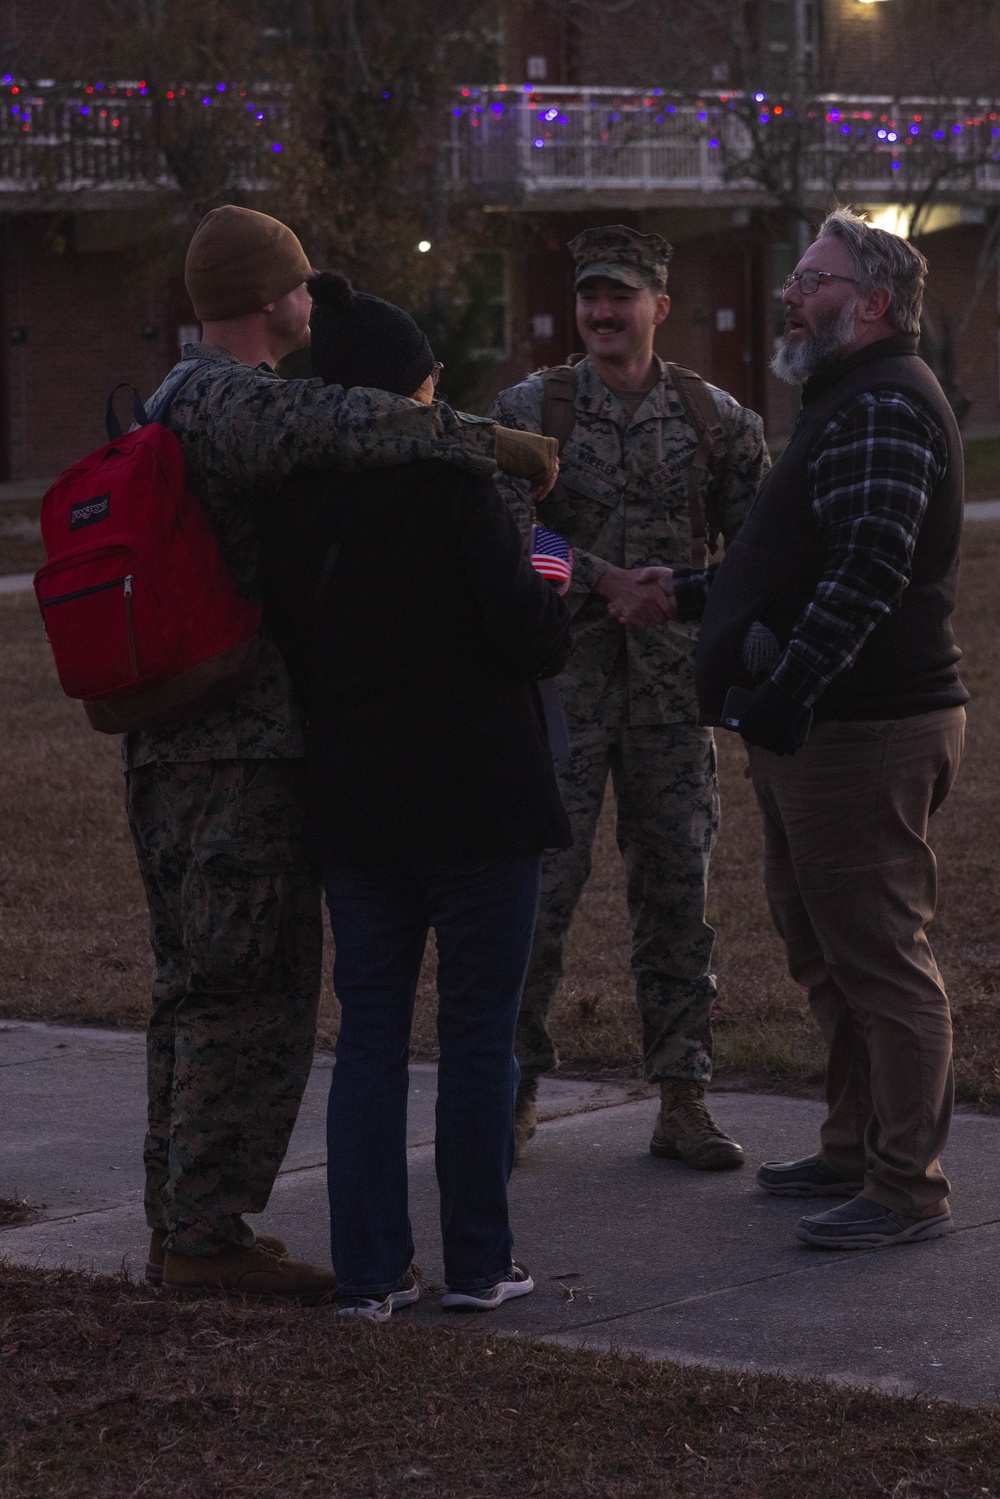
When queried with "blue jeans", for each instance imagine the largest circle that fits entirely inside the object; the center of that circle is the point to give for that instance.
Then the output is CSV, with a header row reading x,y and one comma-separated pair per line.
x,y
483,915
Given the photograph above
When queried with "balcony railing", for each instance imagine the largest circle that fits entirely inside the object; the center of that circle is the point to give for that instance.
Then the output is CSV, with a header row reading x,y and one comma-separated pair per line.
x,y
546,144
57,140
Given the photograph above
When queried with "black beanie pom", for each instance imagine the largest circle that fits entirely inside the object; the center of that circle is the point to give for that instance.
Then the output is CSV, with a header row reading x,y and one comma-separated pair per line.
x,y
358,339
331,289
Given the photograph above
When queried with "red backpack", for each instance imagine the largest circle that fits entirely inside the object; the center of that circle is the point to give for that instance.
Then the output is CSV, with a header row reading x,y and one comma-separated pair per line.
x,y
145,621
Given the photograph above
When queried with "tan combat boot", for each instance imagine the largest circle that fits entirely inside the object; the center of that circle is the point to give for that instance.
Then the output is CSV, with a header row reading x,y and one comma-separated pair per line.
x,y
685,1130
154,1261
525,1116
245,1272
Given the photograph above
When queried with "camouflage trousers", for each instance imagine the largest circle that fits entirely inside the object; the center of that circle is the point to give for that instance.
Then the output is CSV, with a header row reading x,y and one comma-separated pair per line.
x,y
236,929
668,815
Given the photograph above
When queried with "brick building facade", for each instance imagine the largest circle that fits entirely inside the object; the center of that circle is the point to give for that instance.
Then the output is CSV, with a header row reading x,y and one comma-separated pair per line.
x,y
80,309
77,322
732,255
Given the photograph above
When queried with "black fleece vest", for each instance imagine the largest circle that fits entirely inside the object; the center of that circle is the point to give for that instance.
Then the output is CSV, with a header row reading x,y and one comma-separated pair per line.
x,y
773,567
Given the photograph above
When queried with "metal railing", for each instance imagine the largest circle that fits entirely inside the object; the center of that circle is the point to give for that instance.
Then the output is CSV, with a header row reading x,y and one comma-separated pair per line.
x,y
516,143
57,139
546,142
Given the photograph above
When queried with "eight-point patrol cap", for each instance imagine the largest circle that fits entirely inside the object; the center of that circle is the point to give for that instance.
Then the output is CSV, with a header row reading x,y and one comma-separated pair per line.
x,y
623,255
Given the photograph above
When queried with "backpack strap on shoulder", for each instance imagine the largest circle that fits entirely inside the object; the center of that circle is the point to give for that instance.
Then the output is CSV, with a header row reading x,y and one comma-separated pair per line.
x,y
173,385
112,425
703,414
142,414
559,387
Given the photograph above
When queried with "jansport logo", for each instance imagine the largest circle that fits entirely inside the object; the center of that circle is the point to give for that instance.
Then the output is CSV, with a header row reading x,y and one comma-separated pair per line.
x,y
89,512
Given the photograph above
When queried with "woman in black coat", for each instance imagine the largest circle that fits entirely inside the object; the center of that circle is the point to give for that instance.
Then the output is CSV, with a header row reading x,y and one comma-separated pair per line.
x,y
415,630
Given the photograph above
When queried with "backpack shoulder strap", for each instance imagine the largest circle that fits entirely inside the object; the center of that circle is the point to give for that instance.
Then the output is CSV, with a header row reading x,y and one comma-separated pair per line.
x,y
703,414
172,386
142,414
559,386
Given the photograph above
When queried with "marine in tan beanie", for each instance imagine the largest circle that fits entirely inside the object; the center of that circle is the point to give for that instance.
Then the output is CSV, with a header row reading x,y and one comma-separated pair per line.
x,y
238,261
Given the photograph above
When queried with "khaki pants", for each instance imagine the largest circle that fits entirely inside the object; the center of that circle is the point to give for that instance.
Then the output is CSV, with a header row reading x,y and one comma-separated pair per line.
x,y
852,886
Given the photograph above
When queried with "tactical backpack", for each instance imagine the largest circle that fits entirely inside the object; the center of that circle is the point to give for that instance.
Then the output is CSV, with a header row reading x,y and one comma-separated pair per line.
x,y
559,419
145,621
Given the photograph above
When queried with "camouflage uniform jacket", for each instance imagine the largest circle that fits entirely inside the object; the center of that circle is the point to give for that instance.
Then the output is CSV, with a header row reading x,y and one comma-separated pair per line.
x,y
243,430
627,481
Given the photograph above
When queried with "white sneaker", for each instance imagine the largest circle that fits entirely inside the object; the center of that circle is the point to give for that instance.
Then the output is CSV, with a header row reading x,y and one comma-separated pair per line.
x,y
517,1283
380,1308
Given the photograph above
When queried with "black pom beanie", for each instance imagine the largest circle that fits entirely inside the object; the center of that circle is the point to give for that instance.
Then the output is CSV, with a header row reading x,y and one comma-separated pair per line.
x,y
358,339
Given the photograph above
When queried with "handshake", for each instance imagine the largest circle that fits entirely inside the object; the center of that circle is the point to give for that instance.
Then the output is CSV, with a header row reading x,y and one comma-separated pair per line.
x,y
639,596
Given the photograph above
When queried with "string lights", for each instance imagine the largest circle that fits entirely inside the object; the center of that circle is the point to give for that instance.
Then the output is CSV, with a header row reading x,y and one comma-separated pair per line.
x,y
892,132
103,104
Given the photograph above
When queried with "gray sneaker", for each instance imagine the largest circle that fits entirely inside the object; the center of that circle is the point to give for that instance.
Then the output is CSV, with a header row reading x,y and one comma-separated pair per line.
x,y
863,1224
807,1178
380,1308
517,1283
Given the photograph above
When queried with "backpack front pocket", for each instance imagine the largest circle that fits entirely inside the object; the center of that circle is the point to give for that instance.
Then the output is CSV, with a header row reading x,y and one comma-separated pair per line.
x,y
102,622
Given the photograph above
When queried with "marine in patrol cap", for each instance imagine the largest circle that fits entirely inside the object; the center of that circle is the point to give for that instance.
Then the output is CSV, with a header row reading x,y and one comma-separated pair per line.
x,y
623,255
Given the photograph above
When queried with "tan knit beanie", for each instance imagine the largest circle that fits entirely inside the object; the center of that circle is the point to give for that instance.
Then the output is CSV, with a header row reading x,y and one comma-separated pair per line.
x,y
238,260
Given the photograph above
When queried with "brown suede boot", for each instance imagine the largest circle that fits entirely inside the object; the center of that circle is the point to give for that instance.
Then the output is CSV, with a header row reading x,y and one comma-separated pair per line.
x,y
245,1272
525,1116
685,1130
154,1263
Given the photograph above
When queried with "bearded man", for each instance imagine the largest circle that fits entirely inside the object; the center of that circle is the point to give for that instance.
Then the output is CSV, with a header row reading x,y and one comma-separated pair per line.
x,y
831,609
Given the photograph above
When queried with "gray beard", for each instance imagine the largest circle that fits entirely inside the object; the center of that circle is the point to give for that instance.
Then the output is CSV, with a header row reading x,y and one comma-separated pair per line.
x,y
794,363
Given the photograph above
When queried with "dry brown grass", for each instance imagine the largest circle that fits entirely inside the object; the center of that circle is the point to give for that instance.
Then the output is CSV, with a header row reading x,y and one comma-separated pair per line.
x,y
110,1393
15,1210
73,943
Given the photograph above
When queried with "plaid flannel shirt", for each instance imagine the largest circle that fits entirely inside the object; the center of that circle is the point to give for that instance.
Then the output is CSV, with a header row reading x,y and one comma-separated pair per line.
x,y
875,466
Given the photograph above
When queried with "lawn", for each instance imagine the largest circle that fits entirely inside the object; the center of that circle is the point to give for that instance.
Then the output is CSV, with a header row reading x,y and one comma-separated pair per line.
x,y
982,468
111,1393
73,943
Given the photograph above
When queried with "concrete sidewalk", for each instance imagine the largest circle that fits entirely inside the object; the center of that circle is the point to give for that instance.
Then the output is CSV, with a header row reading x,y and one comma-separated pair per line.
x,y
626,1251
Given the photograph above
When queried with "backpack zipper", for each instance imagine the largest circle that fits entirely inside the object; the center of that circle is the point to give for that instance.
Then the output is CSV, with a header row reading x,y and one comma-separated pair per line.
x,y
81,593
133,657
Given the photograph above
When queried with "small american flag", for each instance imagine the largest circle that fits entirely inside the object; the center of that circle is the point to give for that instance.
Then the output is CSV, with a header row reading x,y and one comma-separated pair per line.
x,y
552,556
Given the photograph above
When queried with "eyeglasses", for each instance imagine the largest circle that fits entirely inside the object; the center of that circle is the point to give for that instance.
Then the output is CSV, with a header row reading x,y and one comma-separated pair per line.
x,y
808,281
437,370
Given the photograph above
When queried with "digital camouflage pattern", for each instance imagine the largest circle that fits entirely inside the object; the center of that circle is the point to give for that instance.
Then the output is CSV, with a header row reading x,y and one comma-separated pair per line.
x,y
243,430
668,816
627,483
215,809
625,255
630,702
236,930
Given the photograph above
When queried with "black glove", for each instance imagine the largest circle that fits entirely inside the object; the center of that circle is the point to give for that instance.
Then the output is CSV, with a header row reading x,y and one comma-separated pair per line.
x,y
774,720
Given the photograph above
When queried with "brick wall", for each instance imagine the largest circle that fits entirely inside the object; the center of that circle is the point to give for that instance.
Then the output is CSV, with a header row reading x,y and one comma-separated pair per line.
x,y
83,319
911,46
42,29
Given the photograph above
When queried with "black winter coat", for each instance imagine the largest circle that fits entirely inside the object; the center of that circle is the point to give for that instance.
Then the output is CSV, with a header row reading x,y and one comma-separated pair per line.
x,y
416,658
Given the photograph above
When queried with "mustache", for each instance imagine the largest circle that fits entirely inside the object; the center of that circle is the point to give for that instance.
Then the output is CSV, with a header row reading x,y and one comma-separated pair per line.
x,y
607,325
